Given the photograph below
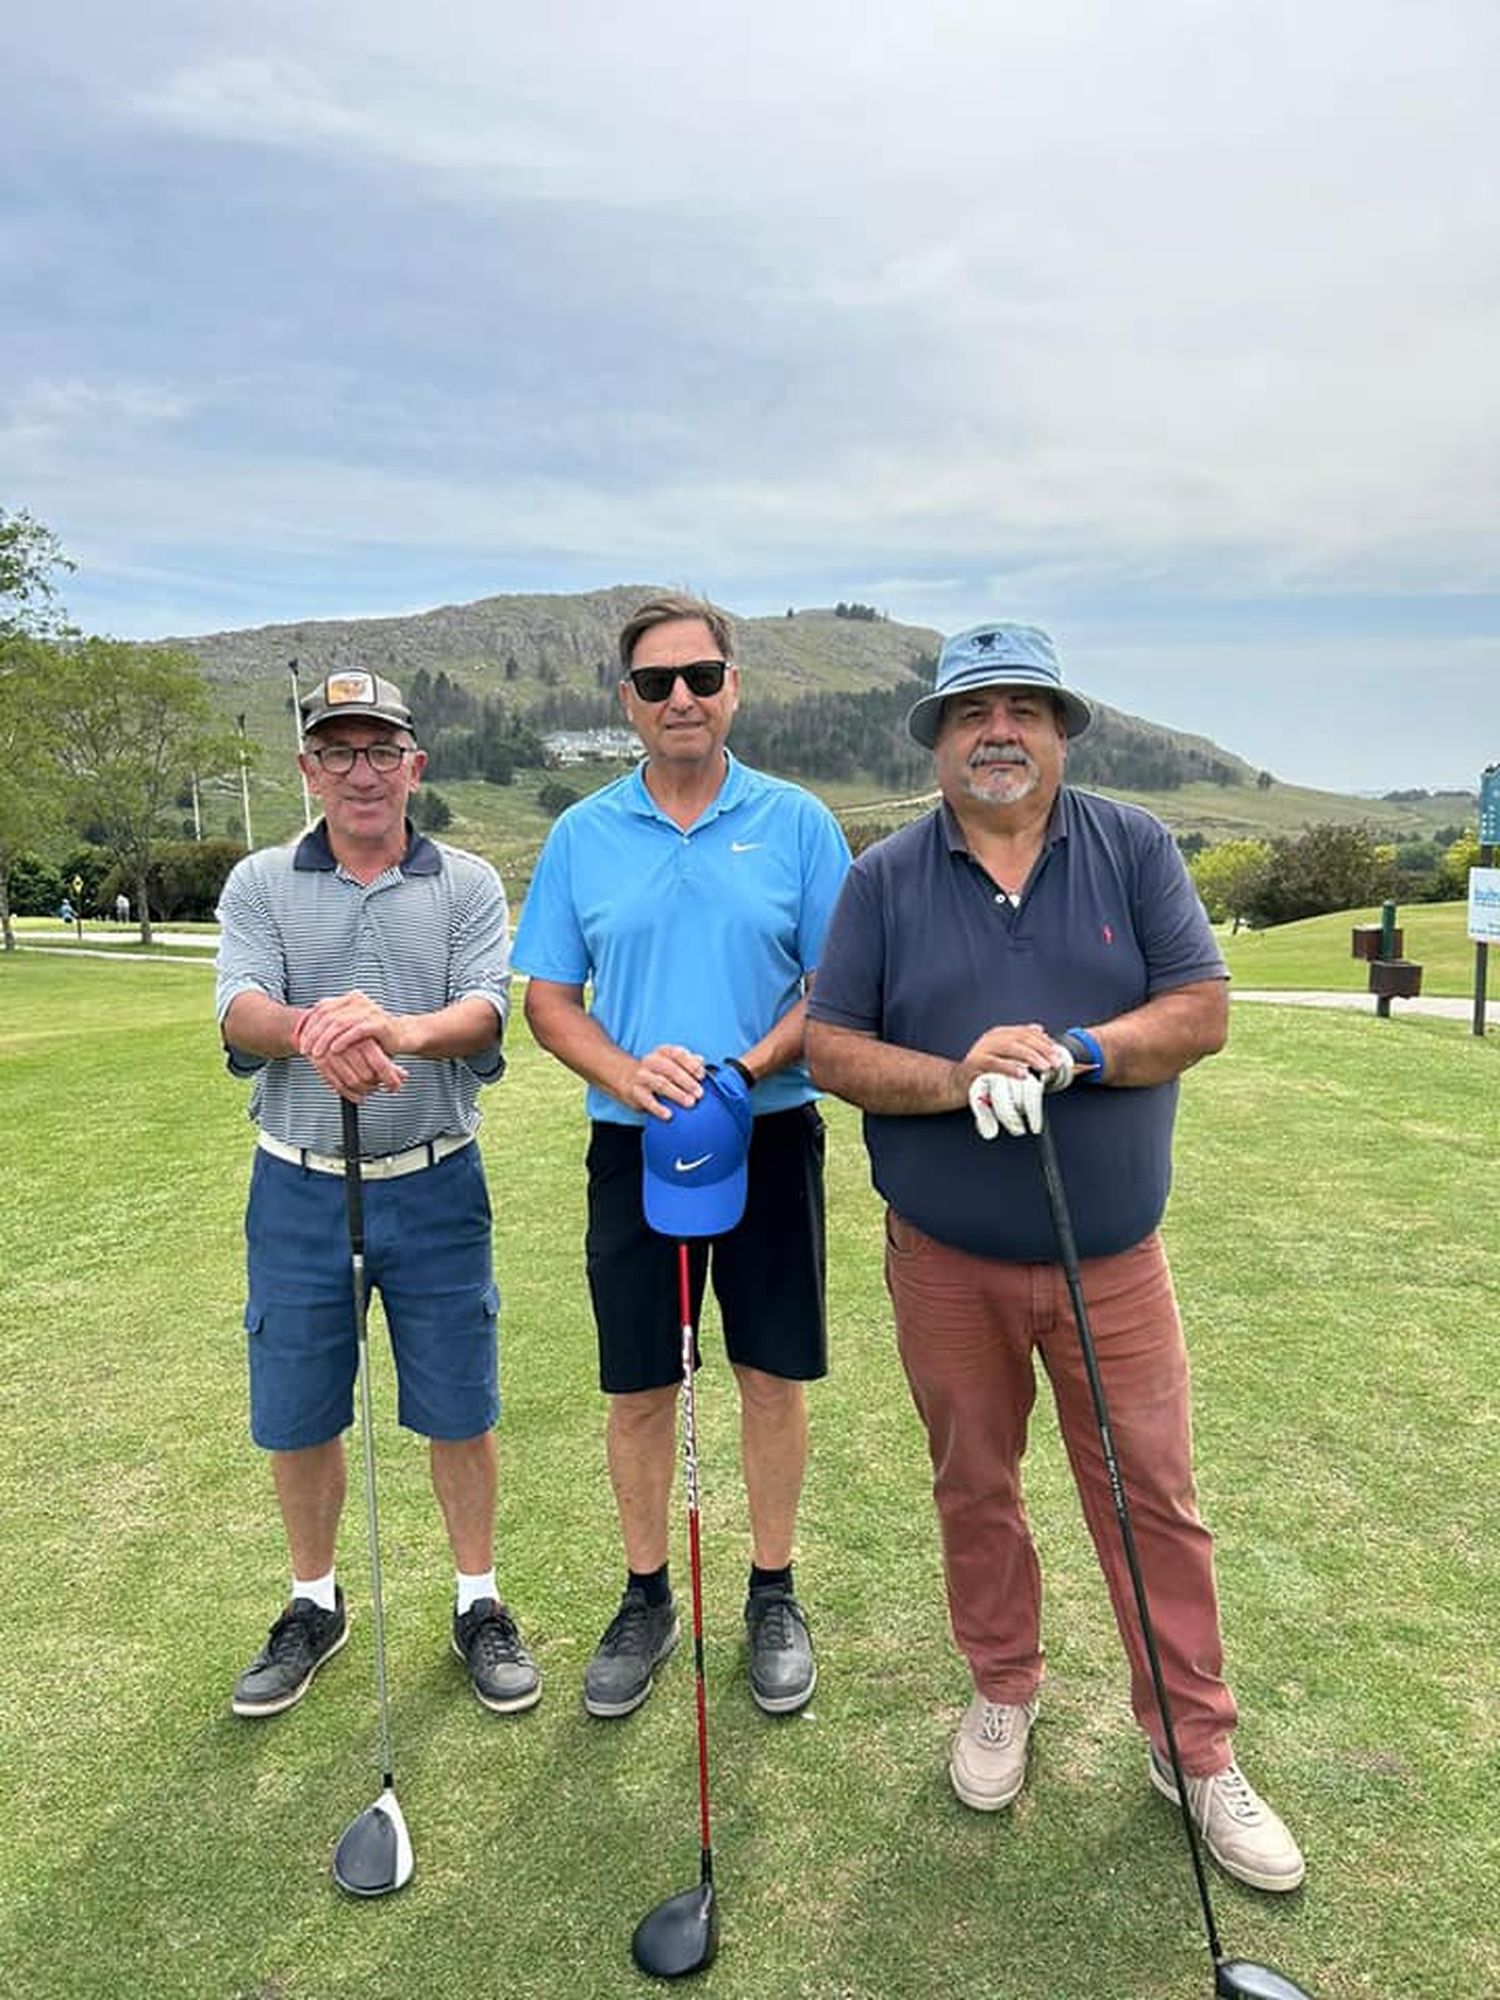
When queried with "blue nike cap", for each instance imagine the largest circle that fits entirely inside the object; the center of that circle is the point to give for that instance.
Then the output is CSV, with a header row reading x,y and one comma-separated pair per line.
x,y
693,1172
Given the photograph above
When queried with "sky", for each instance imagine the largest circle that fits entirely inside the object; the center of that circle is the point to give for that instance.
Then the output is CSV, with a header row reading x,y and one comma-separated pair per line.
x,y
1172,328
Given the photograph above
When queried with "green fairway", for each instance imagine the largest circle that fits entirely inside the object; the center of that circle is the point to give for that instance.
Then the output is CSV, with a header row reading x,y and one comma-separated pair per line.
x,y
1335,1241
1316,954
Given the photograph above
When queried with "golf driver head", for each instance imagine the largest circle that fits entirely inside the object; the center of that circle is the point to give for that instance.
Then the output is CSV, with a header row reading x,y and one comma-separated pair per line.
x,y
374,1854
1240,1979
679,1936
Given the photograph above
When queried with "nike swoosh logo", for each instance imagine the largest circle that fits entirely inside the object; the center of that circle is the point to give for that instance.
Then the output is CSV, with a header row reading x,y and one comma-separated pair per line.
x,y
744,846
689,1166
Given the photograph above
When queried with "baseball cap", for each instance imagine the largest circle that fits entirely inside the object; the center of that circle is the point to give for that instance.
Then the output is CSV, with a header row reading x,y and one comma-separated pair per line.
x,y
352,694
694,1176
994,655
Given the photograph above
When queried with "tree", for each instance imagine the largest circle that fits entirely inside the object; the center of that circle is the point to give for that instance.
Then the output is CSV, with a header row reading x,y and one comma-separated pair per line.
x,y
1453,873
554,798
430,811
1228,876
136,722
28,757
1326,868
29,553
186,880
35,887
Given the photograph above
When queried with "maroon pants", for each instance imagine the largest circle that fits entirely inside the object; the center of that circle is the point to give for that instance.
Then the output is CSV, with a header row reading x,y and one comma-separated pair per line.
x,y
967,1328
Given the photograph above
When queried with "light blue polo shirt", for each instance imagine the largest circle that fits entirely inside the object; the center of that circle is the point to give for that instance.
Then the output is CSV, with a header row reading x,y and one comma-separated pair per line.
x,y
701,937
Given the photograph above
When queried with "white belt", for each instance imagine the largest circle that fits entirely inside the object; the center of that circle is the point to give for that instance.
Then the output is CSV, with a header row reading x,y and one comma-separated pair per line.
x,y
387,1167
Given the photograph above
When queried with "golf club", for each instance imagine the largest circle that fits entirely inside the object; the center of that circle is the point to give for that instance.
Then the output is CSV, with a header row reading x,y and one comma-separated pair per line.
x,y
681,1935
1238,1978
374,1854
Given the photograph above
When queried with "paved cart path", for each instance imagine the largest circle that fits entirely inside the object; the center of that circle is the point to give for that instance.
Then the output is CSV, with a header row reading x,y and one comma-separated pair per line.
x,y
1445,1008
186,947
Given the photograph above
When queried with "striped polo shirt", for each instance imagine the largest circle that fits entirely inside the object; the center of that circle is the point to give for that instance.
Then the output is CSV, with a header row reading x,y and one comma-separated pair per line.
x,y
434,929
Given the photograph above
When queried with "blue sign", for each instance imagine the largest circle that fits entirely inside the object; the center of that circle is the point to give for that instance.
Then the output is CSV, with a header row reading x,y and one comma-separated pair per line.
x,y
1489,807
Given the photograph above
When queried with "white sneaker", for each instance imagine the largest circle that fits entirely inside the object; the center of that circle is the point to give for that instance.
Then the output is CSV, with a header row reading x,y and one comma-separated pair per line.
x,y
1239,1829
988,1764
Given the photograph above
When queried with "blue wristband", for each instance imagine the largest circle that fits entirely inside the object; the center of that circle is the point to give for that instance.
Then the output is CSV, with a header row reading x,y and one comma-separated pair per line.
x,y
1085,1048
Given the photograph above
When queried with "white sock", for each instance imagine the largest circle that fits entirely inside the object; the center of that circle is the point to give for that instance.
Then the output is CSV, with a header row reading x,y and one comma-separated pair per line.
x,y
318,1588
472,1588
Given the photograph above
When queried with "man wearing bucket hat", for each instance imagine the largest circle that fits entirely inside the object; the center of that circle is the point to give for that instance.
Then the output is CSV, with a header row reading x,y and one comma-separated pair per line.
x,y
688,900
364,962
1025,945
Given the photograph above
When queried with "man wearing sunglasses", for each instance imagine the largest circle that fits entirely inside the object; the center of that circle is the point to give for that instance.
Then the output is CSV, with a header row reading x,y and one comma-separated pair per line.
x,y
691,897
365,962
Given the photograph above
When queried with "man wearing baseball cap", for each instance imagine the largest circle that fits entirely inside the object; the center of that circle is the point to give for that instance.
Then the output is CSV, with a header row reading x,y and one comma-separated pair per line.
x,y
363,961
1029,944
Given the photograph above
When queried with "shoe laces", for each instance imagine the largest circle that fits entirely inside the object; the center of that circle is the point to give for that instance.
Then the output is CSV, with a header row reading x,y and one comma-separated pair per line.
x,y
1236,1794
626,1632
495,1637
295,1630
774,1616
997,1723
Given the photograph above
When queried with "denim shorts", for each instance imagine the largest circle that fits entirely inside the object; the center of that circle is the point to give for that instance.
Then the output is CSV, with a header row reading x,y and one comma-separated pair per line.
x,y
427,1253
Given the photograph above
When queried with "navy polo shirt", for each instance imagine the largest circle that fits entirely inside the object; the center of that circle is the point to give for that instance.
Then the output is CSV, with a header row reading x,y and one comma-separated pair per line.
x,y
926,953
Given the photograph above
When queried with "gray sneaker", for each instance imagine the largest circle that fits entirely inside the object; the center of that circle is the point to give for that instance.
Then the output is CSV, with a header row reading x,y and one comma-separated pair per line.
x,y
783,1673
1239,1829
501,1671
635,1642
303,1637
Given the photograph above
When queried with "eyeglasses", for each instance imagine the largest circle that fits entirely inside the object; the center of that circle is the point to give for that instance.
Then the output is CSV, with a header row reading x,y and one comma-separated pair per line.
x,y
703,677
339,759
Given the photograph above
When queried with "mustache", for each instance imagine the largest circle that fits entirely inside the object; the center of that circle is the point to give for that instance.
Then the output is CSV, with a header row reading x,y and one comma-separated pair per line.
x,y
999,753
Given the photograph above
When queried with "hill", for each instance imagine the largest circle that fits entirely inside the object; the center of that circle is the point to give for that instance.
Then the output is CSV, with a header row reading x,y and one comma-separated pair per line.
x,y
530,647
823,698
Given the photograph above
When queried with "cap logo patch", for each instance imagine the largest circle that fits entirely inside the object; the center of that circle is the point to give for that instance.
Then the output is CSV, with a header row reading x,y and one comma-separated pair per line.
x,y
341,688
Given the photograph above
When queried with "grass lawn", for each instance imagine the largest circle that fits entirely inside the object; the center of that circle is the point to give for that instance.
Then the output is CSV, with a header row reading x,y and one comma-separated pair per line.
x,y
1334,1236
1315,955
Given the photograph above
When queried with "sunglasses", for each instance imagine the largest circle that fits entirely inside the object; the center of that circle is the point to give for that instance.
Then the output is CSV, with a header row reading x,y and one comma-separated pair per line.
x,y
703,677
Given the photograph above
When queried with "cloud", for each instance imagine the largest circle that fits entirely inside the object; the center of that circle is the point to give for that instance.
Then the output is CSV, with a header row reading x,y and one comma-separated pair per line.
x,y
1189,303
52,411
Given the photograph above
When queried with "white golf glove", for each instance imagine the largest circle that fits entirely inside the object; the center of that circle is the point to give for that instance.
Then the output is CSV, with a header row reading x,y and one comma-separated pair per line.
x,y
1015,1102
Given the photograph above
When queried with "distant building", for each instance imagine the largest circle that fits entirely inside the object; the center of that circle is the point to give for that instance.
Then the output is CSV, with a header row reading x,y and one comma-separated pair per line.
x,y
592,746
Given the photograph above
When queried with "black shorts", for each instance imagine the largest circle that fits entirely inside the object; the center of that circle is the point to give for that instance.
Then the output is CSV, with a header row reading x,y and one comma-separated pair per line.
x,y
768,1271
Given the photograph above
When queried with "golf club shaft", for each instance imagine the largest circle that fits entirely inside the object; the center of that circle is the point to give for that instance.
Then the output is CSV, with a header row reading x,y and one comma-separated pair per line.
x,y
695,1556
354,1195
1062,1226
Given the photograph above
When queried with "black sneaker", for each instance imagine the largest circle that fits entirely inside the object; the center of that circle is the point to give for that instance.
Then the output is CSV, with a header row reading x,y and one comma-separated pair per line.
x,y
782,1671
638,1638
303,1637
501,1671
